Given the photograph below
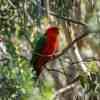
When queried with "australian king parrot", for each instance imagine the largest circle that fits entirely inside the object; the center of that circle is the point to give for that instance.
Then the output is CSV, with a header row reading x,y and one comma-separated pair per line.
x,y
45,48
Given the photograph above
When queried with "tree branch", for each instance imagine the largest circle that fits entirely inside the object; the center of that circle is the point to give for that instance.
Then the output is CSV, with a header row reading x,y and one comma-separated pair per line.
x,y
67,19
70,45
68,87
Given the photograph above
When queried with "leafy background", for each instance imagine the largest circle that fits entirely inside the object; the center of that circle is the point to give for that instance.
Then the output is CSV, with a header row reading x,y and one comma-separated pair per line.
x,y
22,22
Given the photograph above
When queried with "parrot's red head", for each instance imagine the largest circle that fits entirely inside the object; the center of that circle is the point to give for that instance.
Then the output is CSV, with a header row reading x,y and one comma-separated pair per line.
x,y
52,32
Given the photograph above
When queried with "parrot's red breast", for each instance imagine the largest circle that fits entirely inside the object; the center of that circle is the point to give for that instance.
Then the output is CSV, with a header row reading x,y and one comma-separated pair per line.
x,y
48,50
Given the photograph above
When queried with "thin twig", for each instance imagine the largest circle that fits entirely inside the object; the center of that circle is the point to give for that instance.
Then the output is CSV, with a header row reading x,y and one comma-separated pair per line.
x,y
27,14
10,2
3,59
55,70
86,60
45,55
29,41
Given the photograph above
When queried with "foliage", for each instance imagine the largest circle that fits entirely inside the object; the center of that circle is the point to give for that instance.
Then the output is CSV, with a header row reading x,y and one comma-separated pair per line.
x,y
19,19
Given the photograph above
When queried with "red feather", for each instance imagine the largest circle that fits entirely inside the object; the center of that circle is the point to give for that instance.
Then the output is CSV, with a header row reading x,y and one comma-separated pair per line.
x,y
49,48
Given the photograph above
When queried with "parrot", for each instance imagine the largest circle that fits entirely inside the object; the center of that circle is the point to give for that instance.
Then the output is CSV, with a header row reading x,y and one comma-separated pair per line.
x,y
45,49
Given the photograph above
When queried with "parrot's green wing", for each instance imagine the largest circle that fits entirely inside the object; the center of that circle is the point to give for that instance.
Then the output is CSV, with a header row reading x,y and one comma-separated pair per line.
x,y
39,42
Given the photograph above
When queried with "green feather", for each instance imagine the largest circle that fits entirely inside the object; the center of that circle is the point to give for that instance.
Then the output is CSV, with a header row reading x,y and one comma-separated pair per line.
x,y
38,45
